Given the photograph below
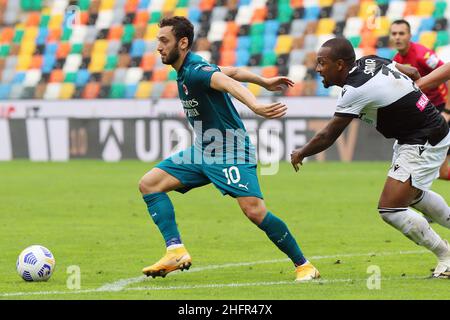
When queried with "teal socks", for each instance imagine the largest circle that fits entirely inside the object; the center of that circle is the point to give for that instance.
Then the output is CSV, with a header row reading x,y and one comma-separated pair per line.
x,y
279,234
161,210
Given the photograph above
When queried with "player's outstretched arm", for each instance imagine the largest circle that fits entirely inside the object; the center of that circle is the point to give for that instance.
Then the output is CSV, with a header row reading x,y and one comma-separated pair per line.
x,y
221,82
321,141
435,78
410,71
244,75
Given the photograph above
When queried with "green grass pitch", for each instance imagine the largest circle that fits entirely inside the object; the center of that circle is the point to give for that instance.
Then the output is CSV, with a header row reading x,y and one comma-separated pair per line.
x,y
90,214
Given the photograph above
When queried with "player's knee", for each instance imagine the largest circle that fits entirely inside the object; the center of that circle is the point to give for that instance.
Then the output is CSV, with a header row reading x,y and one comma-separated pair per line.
x,y
146,187
254,212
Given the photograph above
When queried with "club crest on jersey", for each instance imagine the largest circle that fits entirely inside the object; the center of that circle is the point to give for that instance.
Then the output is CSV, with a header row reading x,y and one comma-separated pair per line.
x,y
185,89
207,68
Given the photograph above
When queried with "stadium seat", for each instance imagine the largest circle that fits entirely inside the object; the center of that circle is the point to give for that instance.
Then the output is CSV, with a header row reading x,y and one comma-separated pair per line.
x,y
52,91
296,90
242,57
227,58
5,90
326,26
67,91
396,10
428,39
439,10
148,61
91,90
411,8
117,91
133,75
425,8
73,62
284,44
144,89
170,90
82,77
56,75
130,91
297,72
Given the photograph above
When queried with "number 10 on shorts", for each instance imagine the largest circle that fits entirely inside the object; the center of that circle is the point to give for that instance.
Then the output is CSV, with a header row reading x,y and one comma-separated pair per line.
x,y
232,174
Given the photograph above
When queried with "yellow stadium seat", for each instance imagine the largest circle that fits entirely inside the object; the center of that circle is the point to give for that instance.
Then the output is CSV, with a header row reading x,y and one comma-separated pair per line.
x,y
367,9
181,12
56,21
23,62
67,91
325,26
151,32
100,46
326,3
425,8
428,39
382,26
284,44
169,5
30,34
97,62
144,89
27,48
255,89
107,5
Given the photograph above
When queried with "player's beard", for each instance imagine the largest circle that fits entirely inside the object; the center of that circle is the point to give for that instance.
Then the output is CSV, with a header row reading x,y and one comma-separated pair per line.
x,y
172,56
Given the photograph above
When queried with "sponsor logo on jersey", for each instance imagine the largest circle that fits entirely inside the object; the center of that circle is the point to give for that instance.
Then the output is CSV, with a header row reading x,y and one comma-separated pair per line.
x,y
207,68
189,107
369,67
431,60
422,102
185,89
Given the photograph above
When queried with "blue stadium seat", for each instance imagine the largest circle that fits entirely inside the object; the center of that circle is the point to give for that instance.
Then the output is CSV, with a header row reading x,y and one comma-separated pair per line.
x,y
427,24
82,77
244,2
387,53
242,57
271,27
194,14
130,91
243,43
270,40
42,36
143,4
311,13
48,63
50,48
5,89
137,48
19,77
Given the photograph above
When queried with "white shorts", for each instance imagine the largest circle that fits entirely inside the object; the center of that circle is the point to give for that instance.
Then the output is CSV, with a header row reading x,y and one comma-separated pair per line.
x,y
421,163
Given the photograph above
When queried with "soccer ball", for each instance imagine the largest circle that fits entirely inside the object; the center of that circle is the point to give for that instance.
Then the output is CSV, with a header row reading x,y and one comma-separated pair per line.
x,y
35,263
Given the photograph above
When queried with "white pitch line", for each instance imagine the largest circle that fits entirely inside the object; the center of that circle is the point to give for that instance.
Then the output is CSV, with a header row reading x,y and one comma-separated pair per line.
x,y
120,285
209,286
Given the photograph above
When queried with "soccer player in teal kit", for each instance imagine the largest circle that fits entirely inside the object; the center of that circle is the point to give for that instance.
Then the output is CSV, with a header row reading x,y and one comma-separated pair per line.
x,y
230,164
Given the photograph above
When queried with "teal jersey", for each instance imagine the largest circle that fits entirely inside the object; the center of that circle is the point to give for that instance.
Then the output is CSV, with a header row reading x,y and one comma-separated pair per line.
x,y
217,125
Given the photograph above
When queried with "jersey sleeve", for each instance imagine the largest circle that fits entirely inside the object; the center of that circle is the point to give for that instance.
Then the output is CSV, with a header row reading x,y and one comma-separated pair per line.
x,y
200,76
350,103
430,60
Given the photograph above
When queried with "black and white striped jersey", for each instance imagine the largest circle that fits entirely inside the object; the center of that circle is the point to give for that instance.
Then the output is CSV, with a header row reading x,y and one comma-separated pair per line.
x,y
379,94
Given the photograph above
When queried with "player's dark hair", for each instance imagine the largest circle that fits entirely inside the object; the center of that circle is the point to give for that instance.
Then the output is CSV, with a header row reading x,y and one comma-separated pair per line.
x,y
341,48
182,27
402,21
